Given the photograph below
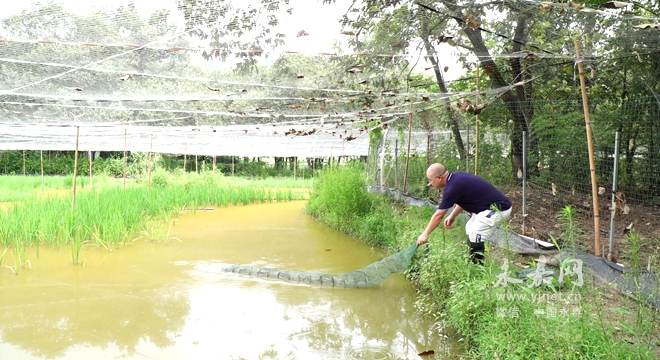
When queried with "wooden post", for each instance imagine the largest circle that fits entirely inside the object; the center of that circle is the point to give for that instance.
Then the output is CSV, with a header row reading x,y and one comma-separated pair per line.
x,y
232,165
150,158
295,165
592,163
23,162
476,144
405,177
185,159
196,166
91,180
75,170
214,162
125,158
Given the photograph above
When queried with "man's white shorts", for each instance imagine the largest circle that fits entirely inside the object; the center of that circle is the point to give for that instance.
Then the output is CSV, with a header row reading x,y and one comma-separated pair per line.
x,y
481,225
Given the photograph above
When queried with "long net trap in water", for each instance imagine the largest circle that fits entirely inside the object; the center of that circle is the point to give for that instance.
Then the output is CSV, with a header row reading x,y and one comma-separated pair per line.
x,y
372,275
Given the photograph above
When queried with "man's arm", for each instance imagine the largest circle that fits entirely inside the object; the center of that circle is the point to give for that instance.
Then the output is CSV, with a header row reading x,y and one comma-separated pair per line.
x,y
454,213
436,219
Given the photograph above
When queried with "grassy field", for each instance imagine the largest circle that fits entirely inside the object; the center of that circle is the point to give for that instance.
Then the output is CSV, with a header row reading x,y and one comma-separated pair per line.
x,y
109,215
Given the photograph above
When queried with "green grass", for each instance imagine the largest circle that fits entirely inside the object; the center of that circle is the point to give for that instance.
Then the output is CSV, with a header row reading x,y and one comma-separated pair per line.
x,y
19,188
111,216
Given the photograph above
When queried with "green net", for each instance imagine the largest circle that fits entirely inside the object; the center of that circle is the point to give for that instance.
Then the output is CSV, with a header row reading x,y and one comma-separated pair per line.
x,y
372,275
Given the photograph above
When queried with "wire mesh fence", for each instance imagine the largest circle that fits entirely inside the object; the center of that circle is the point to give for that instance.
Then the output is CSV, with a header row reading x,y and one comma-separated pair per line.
x,y
555,171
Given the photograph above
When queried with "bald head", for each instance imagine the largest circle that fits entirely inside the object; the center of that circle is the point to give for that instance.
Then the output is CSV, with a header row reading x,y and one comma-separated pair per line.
x,y
436,169
437,175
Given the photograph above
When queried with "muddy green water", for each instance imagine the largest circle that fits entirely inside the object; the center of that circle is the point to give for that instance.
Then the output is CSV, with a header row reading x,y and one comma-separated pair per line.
x,y
171,301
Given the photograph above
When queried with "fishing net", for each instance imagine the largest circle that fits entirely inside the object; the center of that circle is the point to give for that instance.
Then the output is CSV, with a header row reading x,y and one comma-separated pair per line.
x,y
372,275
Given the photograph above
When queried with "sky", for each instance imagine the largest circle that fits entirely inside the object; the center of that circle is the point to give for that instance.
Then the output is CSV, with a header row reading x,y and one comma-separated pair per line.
x,y
320,21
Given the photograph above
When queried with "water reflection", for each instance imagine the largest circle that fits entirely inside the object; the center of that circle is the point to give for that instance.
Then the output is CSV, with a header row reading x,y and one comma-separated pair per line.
x,y
173,302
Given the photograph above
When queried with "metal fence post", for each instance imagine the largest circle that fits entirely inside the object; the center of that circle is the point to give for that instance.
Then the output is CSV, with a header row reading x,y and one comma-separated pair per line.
x,y
613,206
524,179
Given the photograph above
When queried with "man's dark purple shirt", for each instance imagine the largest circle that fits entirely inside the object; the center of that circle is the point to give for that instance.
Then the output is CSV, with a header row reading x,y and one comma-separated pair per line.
x,y
472,193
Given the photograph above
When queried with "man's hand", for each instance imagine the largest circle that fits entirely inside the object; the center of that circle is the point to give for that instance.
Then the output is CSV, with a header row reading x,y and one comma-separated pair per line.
x,y
422,239
448,221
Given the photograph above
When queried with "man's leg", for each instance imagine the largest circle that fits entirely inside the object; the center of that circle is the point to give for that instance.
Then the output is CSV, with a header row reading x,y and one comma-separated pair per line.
x,y
479,227
476,251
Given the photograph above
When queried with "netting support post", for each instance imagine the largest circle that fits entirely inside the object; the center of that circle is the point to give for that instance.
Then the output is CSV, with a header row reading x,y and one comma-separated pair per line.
x,y
524,179
590,143
613,205
295,167
196,166
23,162
75,170
232,165
214,162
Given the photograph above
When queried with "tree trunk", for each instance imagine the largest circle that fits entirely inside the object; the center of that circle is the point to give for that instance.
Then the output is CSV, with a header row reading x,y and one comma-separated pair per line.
x,y
453,123
510,99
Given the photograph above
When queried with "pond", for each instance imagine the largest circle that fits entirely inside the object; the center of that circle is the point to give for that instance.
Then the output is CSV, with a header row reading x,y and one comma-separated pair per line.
x,y
172,301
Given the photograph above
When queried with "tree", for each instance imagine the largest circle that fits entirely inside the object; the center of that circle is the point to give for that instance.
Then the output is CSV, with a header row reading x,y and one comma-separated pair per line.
x,y
226,25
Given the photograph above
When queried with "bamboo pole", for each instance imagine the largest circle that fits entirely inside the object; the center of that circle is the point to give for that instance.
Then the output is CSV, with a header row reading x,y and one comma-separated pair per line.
x,y
23,162
91,180
150,158
214,162
295,165
476,146
196,166
125,158
75,170
185,159
592,163
405,177
232,165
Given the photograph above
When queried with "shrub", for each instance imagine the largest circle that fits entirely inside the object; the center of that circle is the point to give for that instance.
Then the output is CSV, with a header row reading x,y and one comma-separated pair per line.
x,y
160,179
340,191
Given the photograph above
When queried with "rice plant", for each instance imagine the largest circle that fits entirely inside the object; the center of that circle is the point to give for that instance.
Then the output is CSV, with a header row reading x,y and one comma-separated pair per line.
x,y
111,216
